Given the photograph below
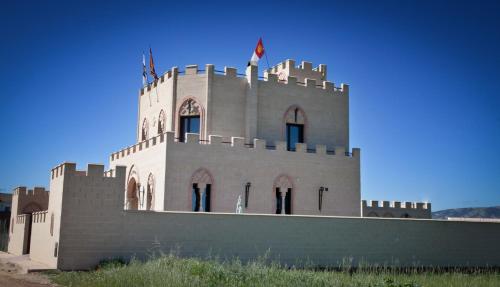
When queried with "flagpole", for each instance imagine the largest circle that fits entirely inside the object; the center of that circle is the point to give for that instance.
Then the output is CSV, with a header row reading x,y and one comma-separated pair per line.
x,y
268,67
144,69
265,53
149,94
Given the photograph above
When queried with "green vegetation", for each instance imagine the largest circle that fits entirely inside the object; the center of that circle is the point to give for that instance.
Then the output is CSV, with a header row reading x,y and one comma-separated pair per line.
x,y
170,270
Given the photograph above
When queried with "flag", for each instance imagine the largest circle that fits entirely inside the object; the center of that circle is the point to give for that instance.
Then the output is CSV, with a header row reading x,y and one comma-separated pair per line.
x,y
152,65
144,72
257,54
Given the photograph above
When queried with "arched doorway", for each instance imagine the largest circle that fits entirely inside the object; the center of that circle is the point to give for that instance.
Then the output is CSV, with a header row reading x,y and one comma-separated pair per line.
x,y
132,198
31,207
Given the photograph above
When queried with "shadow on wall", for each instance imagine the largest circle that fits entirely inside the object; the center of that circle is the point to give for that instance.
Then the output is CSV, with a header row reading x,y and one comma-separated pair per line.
x,y
4,233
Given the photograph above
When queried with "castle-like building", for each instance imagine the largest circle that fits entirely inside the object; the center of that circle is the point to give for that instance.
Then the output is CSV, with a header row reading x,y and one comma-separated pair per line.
x,y
274,143
208,141
280,143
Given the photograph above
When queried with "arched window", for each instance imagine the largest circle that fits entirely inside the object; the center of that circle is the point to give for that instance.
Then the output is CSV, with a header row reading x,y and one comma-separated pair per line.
x,y
31,207
144,130
150,192
295,122
132,197
161,122
190,113
283,188
201,190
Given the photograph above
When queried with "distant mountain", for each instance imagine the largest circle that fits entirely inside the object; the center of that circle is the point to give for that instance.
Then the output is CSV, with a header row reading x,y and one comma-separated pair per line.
x,y
472,212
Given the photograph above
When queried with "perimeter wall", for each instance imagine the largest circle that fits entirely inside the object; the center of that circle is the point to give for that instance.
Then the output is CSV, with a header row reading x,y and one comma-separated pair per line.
x,y
94,226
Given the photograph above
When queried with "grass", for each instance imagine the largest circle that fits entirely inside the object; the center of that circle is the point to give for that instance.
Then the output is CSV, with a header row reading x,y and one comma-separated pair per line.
x,y
170,270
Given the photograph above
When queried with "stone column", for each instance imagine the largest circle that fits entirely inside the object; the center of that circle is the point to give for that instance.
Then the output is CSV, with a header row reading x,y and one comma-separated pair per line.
x,y
283,196
201,188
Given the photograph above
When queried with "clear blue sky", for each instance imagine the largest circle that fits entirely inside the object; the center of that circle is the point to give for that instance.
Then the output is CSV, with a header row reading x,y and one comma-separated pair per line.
x,y
424,76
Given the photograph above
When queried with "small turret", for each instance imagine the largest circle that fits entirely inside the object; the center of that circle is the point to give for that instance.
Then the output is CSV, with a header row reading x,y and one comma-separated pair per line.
x,y
302,72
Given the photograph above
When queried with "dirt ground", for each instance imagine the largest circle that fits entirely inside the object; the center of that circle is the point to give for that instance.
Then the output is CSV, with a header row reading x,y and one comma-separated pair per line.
x,y
9,277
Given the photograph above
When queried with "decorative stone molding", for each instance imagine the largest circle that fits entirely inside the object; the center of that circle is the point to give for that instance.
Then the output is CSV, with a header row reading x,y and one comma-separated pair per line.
x,y
283,181
190,108
145,130
202,176
161,122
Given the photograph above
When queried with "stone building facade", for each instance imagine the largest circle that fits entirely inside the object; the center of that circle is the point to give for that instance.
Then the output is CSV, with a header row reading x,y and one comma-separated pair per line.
x,y
280,143
206,140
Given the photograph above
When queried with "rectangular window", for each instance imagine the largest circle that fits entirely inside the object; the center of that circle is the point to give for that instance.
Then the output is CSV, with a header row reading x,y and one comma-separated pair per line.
x,y
294,134
189,124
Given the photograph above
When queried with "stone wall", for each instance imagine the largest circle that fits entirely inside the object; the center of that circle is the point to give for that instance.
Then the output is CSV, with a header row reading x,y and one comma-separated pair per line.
x,y
145,159
18,234
243,105
292,239
24,203
94,226
231,166
41,234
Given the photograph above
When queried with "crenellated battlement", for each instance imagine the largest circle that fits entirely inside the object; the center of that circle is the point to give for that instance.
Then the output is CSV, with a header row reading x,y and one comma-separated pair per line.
x,y
289,64
22,191
397,204
308,83
93,170
375,208
39,216
286,73
260,144
26,201
21,218
236,142
138,147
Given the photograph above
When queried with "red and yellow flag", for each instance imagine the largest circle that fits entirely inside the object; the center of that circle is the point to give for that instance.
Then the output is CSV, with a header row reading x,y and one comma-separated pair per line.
x,y
258,53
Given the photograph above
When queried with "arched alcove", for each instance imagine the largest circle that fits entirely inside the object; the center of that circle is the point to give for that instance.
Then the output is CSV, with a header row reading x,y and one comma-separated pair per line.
x,y
283,189
202,190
